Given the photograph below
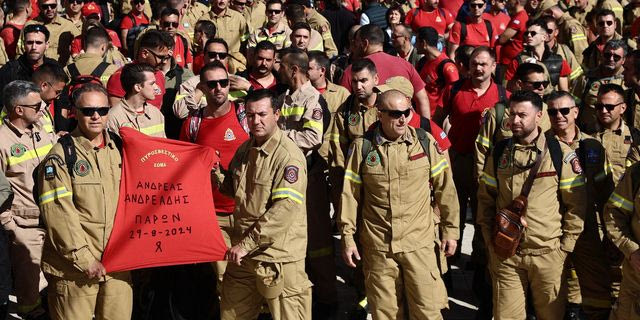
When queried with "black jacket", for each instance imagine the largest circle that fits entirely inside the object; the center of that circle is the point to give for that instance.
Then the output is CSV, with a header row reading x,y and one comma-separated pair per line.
x,y
17,69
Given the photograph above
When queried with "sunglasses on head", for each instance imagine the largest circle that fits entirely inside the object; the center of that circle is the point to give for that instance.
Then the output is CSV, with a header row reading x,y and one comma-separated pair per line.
x,y
49,6
608,23
562,111
396,114
217,55
212,84
89,111
609,55
609,107
476,5
538,84
167,24
273,11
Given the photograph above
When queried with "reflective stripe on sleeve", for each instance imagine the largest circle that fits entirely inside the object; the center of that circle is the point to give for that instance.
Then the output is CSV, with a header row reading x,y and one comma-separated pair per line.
x,y
29,154
569,183
439,168
54,194
484,141
283,193
350,175
489,180
620,202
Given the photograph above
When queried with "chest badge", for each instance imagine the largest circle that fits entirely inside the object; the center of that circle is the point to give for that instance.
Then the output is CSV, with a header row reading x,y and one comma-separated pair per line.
x,y
82,168
504,160
18,150
575,166
228,135
354,119
373,158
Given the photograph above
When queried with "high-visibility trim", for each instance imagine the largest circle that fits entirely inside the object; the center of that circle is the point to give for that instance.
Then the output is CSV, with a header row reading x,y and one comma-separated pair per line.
x,y
319,253
576,73
312,124
617,9
292,111
153,129
489,180
569,183
620,202
350,175
335,137
608,168
326,35
47,127
439,168
55,194
578,37
180,97
484,141
318,47
244,37
363,303
283,193
29,154
627,163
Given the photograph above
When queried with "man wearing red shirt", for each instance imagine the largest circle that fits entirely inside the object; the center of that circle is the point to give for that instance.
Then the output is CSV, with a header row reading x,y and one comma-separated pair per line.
x,y
217,125
169,22
11,31
436,69
499,21
429,15
368,43
475,32
154,50
511,39
133,22
260,73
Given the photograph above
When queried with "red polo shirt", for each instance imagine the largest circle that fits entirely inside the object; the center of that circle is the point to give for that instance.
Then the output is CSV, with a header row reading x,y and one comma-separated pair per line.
x,y
513,66
10,35
477,34
180,53
439,19
114,87
256,85
429,74
512,48
127,23
466,111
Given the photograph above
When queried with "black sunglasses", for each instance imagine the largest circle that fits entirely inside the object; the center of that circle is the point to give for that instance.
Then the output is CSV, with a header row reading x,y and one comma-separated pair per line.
x,y
89,111
396,114
609,107
77,1
167,24
562,111
35,106
602,23
162,58
49,6
538,84
217,55
238,3
476,5
274,11
609,55
532,33
212,84
138,2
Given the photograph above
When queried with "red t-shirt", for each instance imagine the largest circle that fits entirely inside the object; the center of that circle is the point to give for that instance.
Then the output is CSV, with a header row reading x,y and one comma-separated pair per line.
x,y
224,134
565,71
438,134
452,6
439,19
388,66
198,62
430,74
127,23
10,35
477,34
114,87
635,28
35,9
77,44
512,48
256,85
466,112
499,23
180,53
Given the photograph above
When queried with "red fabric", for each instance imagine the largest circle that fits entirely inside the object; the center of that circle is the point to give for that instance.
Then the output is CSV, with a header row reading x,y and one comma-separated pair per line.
x,y
477,34
35,9
435,19
438,134
180,53
127,23
256,85
91,8
114,87
430,73
10,36
214,132
465,114
635,28
383,62
77,45
351,5
499,23
150,231
512,48
198,62
565,71
452,6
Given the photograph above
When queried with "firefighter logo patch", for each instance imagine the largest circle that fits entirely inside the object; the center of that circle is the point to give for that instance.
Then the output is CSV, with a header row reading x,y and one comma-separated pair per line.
x,y
595,86
504,160
354,119
18,150
373,158
49,172
291,174
228,135
82,168
575,166
317,114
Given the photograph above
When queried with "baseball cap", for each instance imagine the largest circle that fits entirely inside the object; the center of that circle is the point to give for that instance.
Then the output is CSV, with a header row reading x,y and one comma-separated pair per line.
x,y
91,8
401,84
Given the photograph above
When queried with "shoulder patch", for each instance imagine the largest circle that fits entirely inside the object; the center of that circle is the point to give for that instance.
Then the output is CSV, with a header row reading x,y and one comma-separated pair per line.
x,y
49,172
82,168
504,159
291,174
317,114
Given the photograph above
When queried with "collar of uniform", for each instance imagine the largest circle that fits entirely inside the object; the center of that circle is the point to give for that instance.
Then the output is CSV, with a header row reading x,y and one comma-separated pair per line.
x,y
132,111
407,137
538,143
88,55
332,87
305,86
579,136
86,144
19,132
55,20
224,13
622,129
269,146
280,28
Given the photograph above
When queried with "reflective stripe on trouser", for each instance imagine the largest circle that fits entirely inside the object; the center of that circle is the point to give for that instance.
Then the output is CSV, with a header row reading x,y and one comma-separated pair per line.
x,y
81,299
241,299
416,274
226,227
320,263
544,274
628,304
25,251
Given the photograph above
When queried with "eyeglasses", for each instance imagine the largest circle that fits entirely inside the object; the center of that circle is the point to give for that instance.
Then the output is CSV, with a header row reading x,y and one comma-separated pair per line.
x,y
562,111
90,111
157,56
36,106
532,33
49,6
167,24
212,84
609,107
217,55
602,23
476,5
396,114
609,55
138,1
538,84
76,1
273,11
58,92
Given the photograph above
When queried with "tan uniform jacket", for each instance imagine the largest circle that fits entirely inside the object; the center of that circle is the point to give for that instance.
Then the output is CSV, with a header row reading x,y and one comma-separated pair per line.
x,y
593,58
335,95
4,58
87,62
574,35
185,102
231,26
633,101
151,122
62,32
581,14
79,211
278,37
269,185
622,216
255,15
191,17
557,205
617,9
321,24
485,140
391,186
622,151
586,89
20,154
78,24
301,117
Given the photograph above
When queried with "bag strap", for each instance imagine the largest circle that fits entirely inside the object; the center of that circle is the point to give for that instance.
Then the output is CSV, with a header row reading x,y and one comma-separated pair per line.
x,y
526,188
100,69
73,70
463,32
70,156
489,30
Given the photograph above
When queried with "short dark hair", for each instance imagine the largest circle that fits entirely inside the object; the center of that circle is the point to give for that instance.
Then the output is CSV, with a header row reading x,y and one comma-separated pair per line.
x,y
257,95
371,33
266,45
395,7
428,34
19,5
95,37
604,13
527,68
153,39
363,64
555,95
320,58
611,87
481,49
17,90
217,40
616,44
300,25
295,12
270,2
132,74
298,57
215,64
35,28
86,88
50,72
463,54
207,27
304,3
538,23
169,12
526,96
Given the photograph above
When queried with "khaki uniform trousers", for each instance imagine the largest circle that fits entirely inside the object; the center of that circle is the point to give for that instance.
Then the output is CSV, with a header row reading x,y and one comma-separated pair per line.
x,y
226,227
416,274
544,273
28,280
628,304
242,300
82,299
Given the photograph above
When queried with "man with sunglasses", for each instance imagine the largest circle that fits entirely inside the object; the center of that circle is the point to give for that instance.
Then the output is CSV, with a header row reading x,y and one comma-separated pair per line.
x,y
62,32
132,24
25,143
386,198
475,31
154,50
275,29
609,71
568,32
73,12
232,26
170,23
606,30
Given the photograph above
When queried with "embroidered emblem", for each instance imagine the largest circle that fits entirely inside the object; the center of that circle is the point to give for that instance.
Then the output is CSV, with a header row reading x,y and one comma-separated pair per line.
x,y
82,168
575,166
228,135
373,158
595,86
317,114
18,150
504,160
291,174
354,119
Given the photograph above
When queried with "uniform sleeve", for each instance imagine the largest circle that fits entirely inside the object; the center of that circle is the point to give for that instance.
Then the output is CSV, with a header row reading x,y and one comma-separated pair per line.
x,y
330,47
288,199
351,192
454,35
483,140
573,194
60,214
578,42
310,136
451,73
632,156
184,101
618,214
445,193
487,195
